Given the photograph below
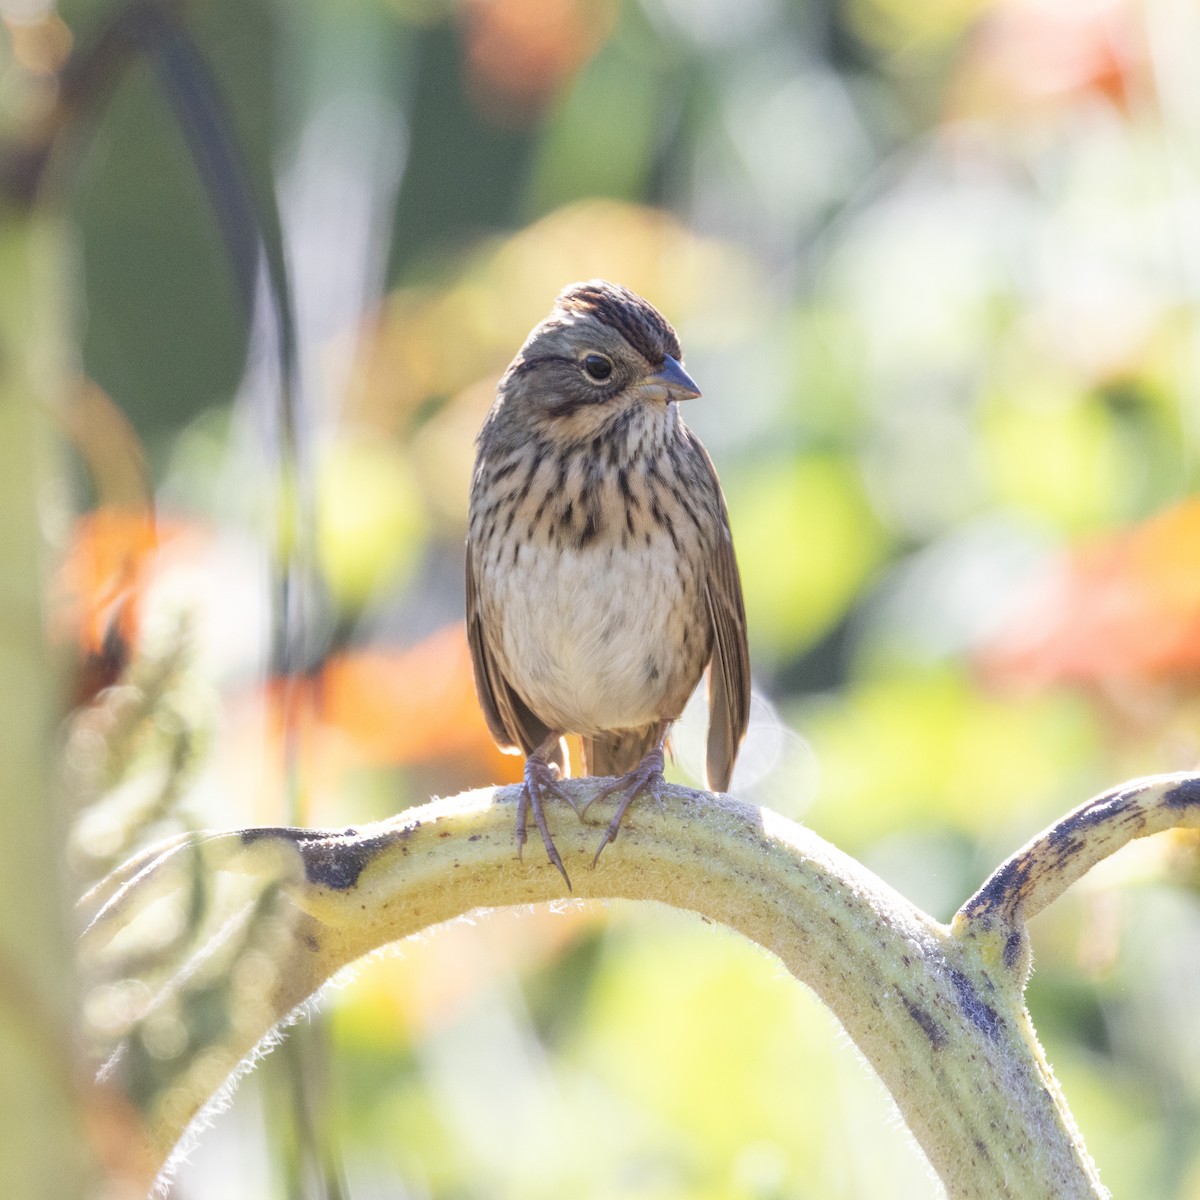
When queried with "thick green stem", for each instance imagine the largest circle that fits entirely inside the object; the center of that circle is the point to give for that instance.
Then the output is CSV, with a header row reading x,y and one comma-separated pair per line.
x,y
42,1152
937,1010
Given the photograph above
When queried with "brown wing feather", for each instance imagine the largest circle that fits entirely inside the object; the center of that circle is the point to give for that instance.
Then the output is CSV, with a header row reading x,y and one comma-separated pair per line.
x,y
511,723
729,670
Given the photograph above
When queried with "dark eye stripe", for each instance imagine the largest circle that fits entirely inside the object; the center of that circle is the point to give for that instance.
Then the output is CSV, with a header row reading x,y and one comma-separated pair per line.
x,y
528,364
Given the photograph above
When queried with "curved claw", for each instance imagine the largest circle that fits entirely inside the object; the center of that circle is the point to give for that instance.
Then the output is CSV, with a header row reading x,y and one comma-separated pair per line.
x,y
647,776
540,782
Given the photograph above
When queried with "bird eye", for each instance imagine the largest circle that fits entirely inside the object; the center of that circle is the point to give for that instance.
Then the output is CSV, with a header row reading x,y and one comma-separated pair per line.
x,y
597,367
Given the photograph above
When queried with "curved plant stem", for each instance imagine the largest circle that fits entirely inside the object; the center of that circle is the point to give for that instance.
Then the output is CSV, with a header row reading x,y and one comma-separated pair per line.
x,y
937,1010
1041,871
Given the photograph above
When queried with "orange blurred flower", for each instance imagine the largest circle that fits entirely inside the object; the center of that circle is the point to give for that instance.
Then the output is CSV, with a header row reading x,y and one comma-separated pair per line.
x,y
520,53
413,707
1029,54
1124,608
98,591
102,576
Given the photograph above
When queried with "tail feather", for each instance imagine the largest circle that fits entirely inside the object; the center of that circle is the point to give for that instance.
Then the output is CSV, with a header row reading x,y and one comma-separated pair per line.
x,y
618,752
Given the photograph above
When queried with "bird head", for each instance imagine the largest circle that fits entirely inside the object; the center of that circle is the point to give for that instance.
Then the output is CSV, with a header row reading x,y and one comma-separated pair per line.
x,y
602,351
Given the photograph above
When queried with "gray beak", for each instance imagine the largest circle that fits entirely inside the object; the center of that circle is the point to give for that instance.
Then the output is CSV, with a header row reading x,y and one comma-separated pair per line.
x,y
678,383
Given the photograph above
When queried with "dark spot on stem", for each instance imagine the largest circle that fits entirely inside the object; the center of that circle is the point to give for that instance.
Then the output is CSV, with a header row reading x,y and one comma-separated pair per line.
x,y
932,1030
337,864
1013,945
981,1014
1183,795
282,834
1005,885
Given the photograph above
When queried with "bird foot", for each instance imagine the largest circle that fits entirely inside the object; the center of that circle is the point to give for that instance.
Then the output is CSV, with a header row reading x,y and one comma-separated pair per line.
x,y
647,776
541,781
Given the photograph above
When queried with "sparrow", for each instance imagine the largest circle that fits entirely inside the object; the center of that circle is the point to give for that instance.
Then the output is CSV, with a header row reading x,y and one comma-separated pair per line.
x,y
601,579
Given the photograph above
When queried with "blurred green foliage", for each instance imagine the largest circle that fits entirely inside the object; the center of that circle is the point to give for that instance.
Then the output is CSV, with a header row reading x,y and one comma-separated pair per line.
x,y
934,266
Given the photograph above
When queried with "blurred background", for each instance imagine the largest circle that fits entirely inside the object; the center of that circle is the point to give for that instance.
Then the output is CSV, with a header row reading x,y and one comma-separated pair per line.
x,y
936,268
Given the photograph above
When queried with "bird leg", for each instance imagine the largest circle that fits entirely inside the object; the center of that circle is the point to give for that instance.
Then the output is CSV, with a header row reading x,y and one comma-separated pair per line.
x,y
647,776
541,781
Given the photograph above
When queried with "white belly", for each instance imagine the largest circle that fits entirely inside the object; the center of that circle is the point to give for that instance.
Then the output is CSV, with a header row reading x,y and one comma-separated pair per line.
x,y
590,637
